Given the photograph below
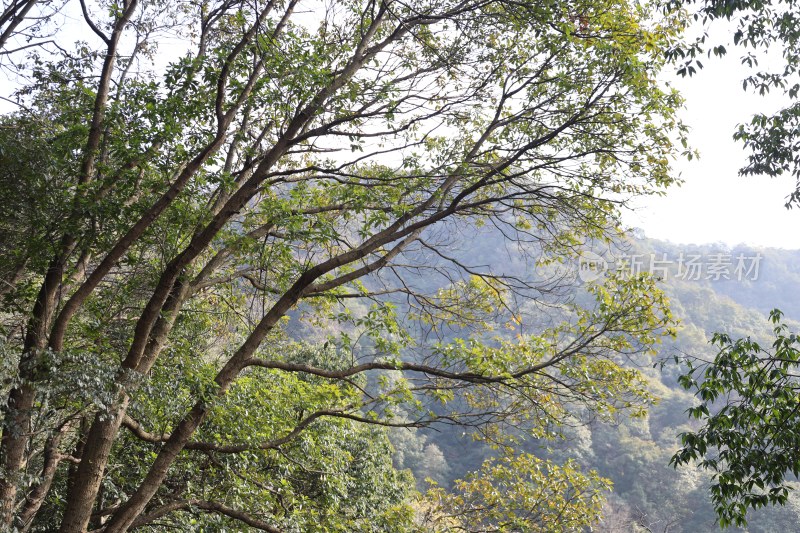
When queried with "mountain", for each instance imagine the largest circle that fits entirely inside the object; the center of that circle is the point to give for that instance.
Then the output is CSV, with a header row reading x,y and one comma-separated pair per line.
x,y
712,288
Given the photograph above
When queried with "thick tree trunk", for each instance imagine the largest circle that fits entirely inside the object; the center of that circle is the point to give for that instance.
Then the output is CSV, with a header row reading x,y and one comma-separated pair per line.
x,y
16,431
21,399
89,474
15,436
150,334
85,483
122,520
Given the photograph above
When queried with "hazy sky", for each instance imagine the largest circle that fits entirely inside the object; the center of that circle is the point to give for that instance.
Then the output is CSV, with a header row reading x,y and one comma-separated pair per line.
x,y
715,204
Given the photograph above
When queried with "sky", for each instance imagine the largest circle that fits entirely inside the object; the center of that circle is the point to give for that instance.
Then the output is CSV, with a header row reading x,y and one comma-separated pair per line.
x,y
715,204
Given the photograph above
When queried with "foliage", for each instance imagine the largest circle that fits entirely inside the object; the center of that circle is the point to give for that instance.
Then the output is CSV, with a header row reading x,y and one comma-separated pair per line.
x,y
336,475
761,30
634,453
748,409
749,441
281,169
519,493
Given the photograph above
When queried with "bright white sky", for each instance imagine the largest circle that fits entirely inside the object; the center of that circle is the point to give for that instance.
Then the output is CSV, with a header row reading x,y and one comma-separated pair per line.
x,y
715,204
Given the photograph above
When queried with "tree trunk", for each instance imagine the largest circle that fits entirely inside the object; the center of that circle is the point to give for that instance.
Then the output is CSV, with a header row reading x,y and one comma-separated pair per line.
x,y
122,520
13,447
21,398
89,475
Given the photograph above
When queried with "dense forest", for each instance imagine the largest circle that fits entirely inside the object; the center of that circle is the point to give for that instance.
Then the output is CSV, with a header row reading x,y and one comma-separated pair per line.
x,y
648,493
360,265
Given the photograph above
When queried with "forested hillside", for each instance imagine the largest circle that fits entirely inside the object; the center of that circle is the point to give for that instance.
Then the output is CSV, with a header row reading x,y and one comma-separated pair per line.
x,y
229,255
635,452
246,245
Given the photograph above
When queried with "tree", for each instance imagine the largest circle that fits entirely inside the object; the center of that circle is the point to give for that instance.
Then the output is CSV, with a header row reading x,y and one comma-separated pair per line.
x,y
280,166
749,435
25,21
250,470
519,493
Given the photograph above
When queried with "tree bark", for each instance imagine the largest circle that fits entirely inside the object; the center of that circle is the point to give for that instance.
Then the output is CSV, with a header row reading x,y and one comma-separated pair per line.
x,y
89,475
21,399
34,500
17,411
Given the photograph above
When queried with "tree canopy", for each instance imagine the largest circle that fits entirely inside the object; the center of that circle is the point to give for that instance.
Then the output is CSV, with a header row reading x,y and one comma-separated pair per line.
x,y
749,413
192,180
